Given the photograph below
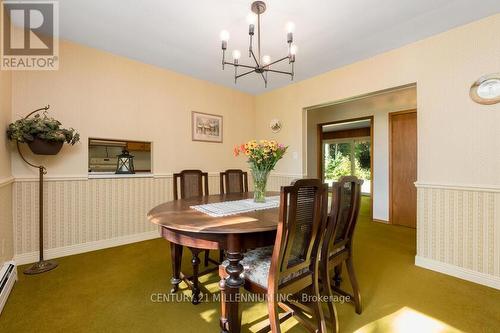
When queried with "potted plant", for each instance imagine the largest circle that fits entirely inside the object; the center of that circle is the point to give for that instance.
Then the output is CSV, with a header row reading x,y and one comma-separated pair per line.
x,y
43,134
262,158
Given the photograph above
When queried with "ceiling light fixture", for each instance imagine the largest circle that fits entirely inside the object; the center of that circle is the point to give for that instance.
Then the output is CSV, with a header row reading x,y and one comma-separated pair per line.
x,y
262,63
486,90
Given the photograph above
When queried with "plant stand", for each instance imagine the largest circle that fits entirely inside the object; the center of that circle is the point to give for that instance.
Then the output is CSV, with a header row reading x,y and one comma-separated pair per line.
x,y
42,265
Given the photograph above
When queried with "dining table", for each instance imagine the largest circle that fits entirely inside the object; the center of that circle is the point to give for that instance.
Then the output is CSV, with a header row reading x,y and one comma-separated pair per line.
x,y
182,226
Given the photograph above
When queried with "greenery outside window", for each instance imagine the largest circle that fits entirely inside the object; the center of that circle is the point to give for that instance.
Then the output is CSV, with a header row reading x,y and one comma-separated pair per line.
x,y
345,157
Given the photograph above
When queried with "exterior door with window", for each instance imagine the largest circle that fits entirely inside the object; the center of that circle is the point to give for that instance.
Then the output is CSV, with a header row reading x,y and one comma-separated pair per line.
x,y
345,157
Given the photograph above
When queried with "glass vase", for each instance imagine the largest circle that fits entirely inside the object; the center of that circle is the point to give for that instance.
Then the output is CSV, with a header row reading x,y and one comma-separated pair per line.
x,y
259,184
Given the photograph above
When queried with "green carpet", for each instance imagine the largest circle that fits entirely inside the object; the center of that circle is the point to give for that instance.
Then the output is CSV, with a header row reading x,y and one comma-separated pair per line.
x,y
110,291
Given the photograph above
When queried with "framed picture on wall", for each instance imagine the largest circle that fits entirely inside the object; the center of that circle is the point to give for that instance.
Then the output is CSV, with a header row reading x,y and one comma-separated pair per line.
x,y
206,127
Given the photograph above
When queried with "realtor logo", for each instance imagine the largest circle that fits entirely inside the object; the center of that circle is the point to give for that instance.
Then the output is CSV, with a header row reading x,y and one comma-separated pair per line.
x,y
30,35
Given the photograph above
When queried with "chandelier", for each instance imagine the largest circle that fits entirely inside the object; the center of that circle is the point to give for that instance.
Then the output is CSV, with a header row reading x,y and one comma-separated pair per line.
x,y
262,63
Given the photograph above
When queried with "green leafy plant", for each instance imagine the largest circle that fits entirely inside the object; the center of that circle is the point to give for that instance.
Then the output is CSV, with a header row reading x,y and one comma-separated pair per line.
x,y
337,166
338,161
42,127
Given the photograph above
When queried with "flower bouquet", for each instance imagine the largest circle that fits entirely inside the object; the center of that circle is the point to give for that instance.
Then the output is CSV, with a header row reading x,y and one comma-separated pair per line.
x,y
262,157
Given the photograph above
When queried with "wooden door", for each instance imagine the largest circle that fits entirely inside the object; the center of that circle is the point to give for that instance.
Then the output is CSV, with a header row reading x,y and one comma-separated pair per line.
x,y
403,168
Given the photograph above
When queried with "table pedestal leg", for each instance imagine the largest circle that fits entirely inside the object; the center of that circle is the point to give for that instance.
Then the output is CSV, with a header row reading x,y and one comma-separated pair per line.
x,y
176,255
230,320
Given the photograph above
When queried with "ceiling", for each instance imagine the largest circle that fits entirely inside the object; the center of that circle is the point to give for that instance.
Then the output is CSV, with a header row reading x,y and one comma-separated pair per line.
x,y
184,35
346,126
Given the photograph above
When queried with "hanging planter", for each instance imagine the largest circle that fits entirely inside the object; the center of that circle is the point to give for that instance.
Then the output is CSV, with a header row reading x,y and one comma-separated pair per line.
x,y
43,134
44,147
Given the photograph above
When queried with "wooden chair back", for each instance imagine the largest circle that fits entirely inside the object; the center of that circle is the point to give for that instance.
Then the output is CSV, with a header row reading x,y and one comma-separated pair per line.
x,y
233,181
343,216
302,215
193,183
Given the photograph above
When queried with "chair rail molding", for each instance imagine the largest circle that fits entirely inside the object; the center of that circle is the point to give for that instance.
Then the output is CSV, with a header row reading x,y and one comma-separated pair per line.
x,y
464,187
52,178
6,181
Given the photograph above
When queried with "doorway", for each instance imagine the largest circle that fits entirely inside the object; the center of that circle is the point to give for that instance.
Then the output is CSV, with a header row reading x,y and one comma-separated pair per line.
x,y
374,107
346,149
403,168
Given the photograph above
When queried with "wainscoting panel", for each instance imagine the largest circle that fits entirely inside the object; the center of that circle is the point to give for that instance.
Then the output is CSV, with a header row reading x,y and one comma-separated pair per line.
x,y
277,180
86,214
459,226
6,241
82,211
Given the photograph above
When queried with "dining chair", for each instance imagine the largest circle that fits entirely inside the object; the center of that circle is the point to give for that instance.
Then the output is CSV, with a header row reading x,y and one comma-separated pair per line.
x,y
233,181
193,183
291,265
336,247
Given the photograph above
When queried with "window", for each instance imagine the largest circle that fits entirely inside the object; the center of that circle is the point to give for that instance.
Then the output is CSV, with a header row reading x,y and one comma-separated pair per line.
x,y
345,157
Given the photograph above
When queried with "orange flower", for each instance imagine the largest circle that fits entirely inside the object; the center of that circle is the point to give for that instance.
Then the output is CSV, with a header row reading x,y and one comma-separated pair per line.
x,y
236,150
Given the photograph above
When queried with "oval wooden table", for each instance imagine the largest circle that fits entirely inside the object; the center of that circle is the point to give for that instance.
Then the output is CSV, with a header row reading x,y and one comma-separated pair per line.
x,y
183,226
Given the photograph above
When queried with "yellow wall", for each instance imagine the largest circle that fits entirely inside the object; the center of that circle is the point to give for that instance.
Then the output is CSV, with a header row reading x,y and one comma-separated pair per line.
x,y
107,96
456,136
6,233
5,110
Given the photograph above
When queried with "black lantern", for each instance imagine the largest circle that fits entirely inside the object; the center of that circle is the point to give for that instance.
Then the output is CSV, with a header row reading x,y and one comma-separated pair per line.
x,y
125,164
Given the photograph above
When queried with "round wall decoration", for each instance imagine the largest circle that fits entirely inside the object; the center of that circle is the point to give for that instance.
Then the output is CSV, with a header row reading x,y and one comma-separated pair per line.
x,y
486,90
275,125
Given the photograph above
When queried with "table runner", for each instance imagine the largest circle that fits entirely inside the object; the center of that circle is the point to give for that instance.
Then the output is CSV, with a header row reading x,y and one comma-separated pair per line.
x,y
227,208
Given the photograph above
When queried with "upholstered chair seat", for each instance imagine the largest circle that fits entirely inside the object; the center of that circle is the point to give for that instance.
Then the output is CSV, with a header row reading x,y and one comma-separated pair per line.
x,y
256,264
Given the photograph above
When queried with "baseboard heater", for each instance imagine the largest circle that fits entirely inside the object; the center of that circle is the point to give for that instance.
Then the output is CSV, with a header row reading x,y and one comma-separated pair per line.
x,y
8,276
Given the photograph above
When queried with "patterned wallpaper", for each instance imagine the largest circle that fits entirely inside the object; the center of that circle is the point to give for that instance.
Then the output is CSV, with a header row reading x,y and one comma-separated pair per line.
x,y
6,246
460,226
79,211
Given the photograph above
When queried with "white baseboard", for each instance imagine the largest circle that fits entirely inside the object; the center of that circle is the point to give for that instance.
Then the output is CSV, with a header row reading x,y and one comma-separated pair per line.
x,y
28,258
459,272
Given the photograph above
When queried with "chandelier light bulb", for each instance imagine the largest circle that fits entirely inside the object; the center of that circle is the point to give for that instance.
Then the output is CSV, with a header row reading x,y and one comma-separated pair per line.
x,y
236,54
224,35
293,49
251,18
266,59
290,27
